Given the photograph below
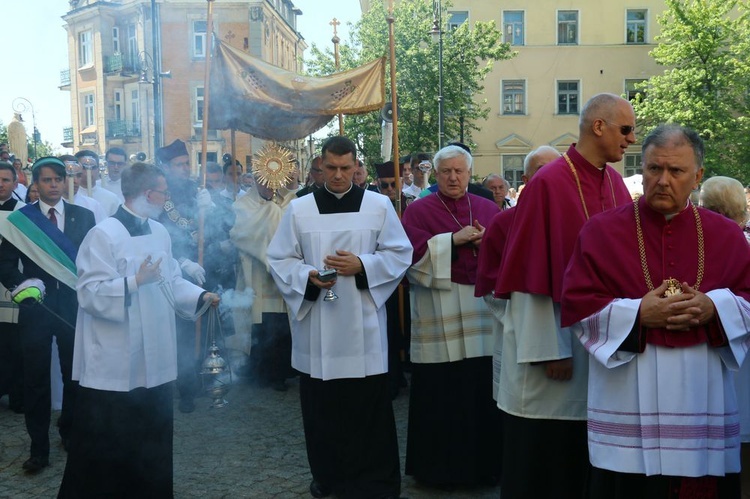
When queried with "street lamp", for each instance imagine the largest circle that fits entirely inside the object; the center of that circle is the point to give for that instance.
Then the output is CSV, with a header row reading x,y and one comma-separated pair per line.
x,y
22,105
437,36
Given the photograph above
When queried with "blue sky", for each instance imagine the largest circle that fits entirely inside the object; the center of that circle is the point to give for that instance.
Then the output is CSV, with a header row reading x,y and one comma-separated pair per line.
x,y
35,51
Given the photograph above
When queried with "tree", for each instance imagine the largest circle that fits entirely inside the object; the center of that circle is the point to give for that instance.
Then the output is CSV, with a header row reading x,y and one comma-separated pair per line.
x,y
468,55
704,44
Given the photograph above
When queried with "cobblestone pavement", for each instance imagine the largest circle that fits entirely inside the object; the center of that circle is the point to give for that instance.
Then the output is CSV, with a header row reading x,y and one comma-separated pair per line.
x,y
252,448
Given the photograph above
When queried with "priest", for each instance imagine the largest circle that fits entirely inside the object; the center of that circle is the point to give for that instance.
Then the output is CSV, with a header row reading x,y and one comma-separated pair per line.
x,y
340,345
451,341
657,292
544,369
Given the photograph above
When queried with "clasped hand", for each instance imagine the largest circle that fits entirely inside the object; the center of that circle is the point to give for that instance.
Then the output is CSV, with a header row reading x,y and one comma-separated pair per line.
x,y
469,234
677,312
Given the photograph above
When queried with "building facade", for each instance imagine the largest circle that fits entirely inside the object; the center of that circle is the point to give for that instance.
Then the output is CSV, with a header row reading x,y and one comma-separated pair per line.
x,y
137,70
566,53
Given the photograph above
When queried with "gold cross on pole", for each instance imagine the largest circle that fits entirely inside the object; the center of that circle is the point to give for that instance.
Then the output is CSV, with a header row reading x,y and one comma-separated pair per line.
x,y
334,22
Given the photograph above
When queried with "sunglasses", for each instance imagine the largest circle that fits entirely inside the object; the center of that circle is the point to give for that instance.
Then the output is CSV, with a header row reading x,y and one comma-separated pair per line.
x,y
625,130
384,185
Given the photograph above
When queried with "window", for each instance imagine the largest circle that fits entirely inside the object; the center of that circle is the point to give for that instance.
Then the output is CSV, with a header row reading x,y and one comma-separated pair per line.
x,y
135,108
88,110
633,165
115,40
456,19
132,48
199,38
567,97
567,27
513,27
85,48
118,105
513,169
635,30
211,156
631,92
198,106
514,97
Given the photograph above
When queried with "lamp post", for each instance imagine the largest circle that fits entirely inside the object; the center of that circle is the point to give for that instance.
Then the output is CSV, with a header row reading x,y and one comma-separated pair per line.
x,y
22,105
148,63
437,36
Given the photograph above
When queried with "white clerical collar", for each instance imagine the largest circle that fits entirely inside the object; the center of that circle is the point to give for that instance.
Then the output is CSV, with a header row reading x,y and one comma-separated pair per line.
x,y
59,207
339,195
136,215
672,215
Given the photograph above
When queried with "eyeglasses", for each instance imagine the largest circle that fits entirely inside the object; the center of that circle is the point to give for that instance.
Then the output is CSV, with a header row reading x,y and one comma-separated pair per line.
x,y
384,185
166,194
625,130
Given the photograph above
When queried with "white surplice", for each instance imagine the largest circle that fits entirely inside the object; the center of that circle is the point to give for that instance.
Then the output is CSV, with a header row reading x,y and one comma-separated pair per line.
x,y
120,348
666,411
345,338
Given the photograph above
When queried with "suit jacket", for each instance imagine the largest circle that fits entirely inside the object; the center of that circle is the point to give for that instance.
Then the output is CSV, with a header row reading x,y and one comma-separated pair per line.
x,y
78,221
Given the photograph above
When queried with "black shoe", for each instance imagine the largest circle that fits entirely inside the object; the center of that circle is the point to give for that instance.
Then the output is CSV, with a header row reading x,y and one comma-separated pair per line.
x,y
186,405
279,386
17,408
66,444
318,490
35,464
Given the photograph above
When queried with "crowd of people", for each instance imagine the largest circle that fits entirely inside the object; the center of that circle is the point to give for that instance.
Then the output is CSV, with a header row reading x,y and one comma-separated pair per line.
x,y
567,341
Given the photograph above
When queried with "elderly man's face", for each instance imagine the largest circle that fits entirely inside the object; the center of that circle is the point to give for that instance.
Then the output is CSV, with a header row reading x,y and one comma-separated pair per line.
x,y
497,186
453,177
670,174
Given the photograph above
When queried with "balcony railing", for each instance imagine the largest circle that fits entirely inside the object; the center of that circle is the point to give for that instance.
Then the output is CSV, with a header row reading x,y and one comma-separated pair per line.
x,y
113,63
122,128
64,77
68,134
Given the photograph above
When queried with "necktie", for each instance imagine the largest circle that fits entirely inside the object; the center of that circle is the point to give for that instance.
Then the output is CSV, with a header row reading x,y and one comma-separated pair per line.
x,y
52,216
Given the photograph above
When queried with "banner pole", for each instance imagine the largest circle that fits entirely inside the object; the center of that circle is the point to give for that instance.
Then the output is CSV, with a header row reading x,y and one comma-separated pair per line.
x,y
394,99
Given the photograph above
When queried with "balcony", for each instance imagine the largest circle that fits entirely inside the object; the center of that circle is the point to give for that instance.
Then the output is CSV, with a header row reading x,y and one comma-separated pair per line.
x,y
123,129
113,63
65,79
67,136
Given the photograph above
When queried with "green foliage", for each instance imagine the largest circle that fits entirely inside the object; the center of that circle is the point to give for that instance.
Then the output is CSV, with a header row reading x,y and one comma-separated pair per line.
x,y
705,46
468,55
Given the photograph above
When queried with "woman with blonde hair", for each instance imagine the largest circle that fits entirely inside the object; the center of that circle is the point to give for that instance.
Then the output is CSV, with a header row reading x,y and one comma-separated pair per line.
x,y
726,195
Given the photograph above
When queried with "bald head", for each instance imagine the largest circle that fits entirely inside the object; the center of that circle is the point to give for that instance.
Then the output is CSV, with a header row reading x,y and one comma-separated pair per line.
x,y
606,129
537,159
600,106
